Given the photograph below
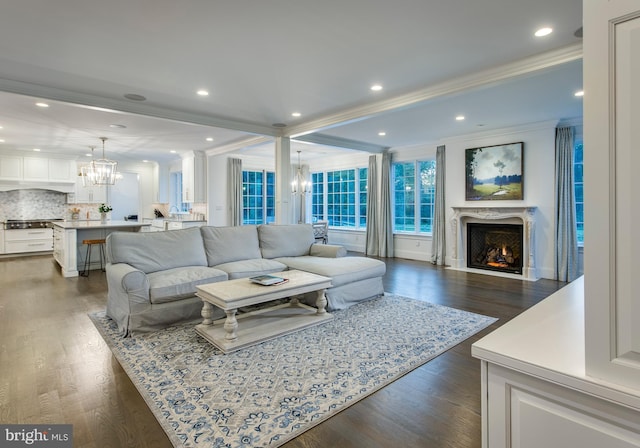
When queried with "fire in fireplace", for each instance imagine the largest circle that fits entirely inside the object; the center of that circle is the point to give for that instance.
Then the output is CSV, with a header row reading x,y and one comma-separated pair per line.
x,y
496,247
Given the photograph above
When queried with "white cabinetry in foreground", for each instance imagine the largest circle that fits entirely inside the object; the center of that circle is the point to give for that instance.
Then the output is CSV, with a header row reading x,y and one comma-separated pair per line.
x,y
535,392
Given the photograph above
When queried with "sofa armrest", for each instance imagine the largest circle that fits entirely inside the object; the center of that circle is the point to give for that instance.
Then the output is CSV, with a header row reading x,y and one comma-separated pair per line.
x,y
125,281
327,250
128,293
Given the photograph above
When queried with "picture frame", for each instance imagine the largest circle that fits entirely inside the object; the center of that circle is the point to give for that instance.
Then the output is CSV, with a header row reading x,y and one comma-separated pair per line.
x,y
495,173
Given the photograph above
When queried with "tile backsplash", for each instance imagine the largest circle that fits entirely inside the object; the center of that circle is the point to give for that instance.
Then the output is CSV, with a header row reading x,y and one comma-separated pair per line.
x,y
33,204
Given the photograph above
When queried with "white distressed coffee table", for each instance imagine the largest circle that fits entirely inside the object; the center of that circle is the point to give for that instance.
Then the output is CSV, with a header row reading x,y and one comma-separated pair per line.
x,y
246,329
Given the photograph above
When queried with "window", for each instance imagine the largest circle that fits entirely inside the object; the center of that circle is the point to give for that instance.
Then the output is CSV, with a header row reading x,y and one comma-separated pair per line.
x,y
414,196
175,192
340,197
579,190
258,197
362,193
317,197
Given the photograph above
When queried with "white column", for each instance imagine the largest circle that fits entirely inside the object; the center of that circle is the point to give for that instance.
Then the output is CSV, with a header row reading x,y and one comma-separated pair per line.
x,y
284,207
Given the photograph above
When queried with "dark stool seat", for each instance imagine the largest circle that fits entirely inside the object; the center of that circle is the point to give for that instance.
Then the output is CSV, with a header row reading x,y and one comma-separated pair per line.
x,y
87,259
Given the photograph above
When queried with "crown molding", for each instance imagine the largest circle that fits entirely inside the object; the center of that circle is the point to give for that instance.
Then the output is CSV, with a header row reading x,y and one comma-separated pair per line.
x,y
116,105
338,142
455,85
238,145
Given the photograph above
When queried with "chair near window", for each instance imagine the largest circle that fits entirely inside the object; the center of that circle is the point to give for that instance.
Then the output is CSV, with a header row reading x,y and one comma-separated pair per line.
x,y
321,231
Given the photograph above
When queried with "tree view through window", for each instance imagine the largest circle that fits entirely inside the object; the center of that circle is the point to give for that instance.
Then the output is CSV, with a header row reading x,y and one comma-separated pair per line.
x,y
414,196
258,197
340,197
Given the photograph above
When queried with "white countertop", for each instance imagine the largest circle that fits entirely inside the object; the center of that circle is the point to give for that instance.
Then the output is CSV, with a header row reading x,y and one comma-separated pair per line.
x,y
97,224
547,341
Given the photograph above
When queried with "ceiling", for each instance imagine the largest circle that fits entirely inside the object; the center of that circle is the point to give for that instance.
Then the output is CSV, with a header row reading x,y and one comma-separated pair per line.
x,y
262,61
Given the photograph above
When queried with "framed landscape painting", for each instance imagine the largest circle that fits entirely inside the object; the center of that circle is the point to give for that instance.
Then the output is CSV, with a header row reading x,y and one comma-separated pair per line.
x,y
494,172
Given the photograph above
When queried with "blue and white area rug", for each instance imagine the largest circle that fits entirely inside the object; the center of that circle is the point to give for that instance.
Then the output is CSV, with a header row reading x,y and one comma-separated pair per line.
x,y
270,393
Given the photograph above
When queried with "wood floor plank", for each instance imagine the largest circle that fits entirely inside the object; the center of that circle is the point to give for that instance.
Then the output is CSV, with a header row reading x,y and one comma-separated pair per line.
x,y
55,367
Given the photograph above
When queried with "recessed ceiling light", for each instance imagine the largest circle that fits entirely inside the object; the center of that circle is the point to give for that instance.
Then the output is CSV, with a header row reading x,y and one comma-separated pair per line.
x,y
543,32
382,133
579,93
134,97
376,87
203,92
460,118
36,149
173,151
209,139
279,125
89,154
1,140
145,161
296,114
117,126
1,127
42,105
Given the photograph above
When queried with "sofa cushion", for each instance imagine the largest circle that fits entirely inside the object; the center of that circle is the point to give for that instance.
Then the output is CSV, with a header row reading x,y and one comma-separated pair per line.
x,y
157,251
341,270
249,268
293,240
180,283
226,244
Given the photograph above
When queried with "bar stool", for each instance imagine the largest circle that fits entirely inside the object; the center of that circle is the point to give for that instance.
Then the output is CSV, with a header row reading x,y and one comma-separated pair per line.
x,y
87,259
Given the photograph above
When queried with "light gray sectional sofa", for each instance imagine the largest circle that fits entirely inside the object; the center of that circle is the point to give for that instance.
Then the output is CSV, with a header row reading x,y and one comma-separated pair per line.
x,y
152,276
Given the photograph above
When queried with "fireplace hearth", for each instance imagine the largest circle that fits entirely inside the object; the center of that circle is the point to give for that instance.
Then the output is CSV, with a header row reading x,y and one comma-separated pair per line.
x,y
495,247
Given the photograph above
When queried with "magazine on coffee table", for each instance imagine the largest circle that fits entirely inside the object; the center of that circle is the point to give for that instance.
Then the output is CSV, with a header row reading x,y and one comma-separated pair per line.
x,y
268,280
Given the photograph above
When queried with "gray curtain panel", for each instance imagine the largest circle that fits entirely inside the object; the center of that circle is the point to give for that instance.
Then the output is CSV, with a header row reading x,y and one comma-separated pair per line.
x,y
566,238
438,246
234,191
385,226
372,240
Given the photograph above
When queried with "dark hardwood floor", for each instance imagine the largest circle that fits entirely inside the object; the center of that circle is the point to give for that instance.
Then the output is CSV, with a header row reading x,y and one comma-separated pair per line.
x,y
55,367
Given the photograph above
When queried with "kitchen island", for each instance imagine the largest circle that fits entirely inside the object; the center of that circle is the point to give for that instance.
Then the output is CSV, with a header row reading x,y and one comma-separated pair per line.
x,y
68,249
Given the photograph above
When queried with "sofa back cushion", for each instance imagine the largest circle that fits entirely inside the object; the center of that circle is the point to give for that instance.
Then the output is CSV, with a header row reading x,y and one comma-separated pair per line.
x,y
292,240
227,244
157,251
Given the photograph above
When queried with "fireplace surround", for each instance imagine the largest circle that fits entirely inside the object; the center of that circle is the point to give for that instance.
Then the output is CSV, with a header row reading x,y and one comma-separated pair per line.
x,y
498,218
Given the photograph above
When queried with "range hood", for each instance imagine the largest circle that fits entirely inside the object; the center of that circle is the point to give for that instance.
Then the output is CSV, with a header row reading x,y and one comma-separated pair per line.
x,y
61,187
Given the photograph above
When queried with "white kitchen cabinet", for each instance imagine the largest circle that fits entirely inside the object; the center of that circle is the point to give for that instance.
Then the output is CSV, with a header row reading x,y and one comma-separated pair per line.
x,y
62,170
156,225
35,169
1,241
177,225
10,167
28,240
194,177
92,194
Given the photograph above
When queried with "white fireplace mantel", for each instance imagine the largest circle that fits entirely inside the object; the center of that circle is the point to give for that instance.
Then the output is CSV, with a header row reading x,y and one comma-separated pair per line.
x,y
525,215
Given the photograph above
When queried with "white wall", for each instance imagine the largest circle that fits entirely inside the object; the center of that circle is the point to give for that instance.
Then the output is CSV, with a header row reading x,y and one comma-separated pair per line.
x,y
147,185
539,162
